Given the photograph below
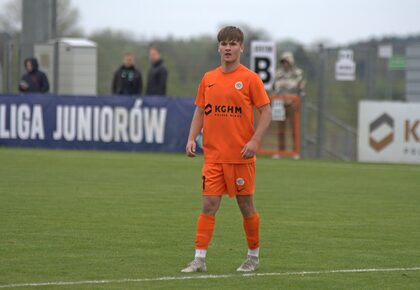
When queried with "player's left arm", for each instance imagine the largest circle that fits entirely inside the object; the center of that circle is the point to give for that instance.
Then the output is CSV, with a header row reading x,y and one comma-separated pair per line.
x,y
250,148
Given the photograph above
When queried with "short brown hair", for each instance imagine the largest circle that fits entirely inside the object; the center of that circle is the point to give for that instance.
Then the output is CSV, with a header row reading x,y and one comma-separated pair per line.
x,y
229,33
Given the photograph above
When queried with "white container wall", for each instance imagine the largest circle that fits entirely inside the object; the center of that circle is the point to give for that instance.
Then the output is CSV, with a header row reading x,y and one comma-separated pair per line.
x,y
77,68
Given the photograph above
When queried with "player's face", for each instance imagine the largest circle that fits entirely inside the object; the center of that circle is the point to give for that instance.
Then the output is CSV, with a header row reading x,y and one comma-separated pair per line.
x,y
230,50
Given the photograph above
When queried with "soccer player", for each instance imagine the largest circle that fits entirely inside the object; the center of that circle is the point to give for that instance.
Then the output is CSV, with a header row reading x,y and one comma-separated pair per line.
x,y
224,111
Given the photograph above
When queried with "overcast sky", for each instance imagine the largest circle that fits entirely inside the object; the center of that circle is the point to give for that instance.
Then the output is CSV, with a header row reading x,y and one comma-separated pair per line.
x,y
303,20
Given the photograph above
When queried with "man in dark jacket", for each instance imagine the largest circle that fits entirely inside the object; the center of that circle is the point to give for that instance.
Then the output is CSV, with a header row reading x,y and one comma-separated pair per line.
x,y
34,80
157,76
127,79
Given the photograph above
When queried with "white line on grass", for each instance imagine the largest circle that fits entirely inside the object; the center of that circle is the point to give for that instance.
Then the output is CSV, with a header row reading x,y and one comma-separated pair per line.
x,y
194,277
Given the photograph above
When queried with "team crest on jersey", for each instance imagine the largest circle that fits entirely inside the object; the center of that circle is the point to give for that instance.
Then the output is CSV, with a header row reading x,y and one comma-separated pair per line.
x,y
240,181
239,85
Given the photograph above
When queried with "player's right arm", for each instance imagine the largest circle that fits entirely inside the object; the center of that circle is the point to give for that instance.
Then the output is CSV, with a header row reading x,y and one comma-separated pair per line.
x,y
195,129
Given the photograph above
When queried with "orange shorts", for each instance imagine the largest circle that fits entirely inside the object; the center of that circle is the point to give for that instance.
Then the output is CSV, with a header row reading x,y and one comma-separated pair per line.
x,y
226,178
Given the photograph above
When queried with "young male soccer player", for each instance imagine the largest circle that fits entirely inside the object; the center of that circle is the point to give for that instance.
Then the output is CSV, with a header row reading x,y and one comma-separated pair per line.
x,y
225,104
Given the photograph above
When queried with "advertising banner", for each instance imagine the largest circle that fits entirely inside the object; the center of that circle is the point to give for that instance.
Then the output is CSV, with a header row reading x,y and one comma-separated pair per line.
x,y
100,123
389,132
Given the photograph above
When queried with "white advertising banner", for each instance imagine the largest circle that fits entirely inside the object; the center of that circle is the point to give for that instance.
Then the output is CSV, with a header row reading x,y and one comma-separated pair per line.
x,y
389,132
263,61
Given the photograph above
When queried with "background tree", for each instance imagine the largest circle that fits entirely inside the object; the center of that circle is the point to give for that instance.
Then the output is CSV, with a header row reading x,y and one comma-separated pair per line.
x,y
67,18
11,17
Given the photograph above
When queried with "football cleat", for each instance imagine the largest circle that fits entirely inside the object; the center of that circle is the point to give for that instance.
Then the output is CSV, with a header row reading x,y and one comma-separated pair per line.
x,y
250,264
197,265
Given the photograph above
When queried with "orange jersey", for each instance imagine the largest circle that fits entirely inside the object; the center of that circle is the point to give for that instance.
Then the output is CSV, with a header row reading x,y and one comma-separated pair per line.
x,y
228,100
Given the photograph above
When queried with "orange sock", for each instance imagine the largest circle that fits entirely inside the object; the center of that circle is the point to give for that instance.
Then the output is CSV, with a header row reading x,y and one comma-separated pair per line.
x,y
205,226
252,226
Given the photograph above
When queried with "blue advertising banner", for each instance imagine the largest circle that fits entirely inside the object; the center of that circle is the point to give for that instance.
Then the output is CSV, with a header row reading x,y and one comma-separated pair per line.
x,y
101,123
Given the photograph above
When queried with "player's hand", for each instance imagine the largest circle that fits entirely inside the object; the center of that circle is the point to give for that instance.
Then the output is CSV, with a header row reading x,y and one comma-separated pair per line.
x,y
250,149
190,148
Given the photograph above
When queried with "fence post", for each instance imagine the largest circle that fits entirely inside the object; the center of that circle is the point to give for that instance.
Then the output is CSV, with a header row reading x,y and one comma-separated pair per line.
x,y
321,103
302,125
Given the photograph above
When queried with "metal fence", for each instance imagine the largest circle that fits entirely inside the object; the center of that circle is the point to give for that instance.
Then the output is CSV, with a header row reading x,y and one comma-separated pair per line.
x,y
329,110
340,139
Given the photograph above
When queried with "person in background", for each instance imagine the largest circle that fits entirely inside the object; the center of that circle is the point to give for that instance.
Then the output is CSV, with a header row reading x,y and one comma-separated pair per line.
x,y
127,79
158,74
288,81
34,80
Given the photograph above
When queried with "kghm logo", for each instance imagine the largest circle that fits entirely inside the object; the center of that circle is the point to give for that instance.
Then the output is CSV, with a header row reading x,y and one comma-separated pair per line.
x,y
222,109
381,132
208,109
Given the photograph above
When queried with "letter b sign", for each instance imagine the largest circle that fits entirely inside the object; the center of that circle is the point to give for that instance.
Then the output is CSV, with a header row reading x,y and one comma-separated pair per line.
x,y
262,66
263,61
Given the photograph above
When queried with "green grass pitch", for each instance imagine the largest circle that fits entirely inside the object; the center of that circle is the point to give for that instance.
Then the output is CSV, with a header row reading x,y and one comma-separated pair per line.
x,y
76,216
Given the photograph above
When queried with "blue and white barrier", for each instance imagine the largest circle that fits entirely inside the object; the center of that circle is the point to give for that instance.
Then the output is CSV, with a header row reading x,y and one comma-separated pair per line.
x,y
100,123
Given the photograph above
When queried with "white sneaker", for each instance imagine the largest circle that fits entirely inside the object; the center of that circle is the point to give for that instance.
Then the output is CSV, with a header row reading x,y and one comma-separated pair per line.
x,y
250,264
197,265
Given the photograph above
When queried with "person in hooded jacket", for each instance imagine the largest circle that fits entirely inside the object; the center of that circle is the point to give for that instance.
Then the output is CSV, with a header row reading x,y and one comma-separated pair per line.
x,y
288,81
158,74
127,79
34,80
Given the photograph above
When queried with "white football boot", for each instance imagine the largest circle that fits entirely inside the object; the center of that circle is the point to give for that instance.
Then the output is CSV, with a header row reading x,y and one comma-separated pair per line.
x,y
250,264
197,265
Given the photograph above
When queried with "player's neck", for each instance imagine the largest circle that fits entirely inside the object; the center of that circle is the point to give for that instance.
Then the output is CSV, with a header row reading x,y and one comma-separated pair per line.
x,y
228,67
